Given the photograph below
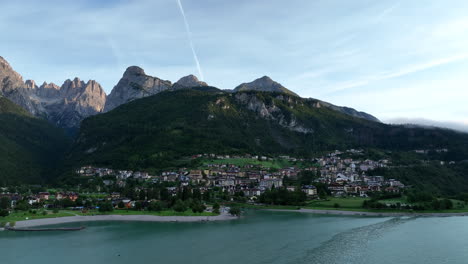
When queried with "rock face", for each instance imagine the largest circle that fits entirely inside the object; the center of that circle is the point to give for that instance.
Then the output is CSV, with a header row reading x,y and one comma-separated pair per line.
x,y
188,82
272,112
64,106
135,84
264,84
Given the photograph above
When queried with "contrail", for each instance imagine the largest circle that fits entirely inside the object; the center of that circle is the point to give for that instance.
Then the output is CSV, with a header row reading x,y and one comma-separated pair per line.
x,y
189,36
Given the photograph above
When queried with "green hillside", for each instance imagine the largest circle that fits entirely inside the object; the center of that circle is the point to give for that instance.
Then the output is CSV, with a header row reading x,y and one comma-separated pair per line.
x,y
30,148
155,132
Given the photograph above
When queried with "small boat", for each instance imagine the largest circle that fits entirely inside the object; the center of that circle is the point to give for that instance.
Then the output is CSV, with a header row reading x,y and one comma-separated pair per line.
x,y
46,229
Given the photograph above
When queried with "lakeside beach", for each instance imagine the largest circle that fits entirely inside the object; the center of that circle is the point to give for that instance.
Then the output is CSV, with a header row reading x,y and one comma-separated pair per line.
x,y
140,218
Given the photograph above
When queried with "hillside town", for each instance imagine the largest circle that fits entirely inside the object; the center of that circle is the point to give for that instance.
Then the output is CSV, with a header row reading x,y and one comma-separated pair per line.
x,y
341,176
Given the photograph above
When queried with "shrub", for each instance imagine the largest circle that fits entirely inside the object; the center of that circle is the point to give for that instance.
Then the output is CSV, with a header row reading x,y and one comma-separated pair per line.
x,y
180,206
155,206
4,213
197,207
216,207
235,211
106,207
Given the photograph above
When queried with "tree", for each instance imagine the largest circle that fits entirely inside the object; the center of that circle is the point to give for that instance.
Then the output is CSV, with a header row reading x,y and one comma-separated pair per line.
x,y
121,205
4,213
5,203
197,194
197,207
67,202
216,208
106,207
180,206
155,206
235,211
138,206
23,206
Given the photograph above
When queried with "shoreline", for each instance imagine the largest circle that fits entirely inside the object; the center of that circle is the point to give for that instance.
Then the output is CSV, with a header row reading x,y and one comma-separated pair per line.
x,y
123,218
362,213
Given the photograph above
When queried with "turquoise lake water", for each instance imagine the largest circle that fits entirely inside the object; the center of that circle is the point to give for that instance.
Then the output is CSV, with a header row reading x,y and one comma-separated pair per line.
x,y
259,237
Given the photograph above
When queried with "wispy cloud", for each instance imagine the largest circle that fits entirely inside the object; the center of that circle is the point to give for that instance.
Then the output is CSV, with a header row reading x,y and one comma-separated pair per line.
x,y
387,11
398,73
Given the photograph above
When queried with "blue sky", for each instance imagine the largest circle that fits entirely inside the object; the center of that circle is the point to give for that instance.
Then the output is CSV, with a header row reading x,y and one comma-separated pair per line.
x,y
393,59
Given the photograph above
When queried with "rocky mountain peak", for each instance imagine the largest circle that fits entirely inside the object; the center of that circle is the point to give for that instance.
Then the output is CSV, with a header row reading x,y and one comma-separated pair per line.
x,y
30,84
64,106
188,82
263,84
4,64
135,84
134,70
46,85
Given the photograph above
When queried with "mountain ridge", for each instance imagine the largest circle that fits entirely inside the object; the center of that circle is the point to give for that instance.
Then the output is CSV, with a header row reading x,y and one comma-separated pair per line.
x,y
67,105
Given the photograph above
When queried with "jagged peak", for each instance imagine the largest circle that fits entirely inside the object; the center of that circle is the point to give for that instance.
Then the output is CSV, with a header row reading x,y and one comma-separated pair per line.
x,y
49,85
190,81
134,70
264,84
3,61
30,84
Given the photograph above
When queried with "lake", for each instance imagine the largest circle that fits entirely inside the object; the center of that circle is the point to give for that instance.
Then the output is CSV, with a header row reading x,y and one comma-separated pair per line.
x,y
259,237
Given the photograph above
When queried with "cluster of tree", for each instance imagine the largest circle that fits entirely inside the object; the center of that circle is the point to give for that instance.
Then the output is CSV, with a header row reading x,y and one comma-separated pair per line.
x,y
444,180
434,204
281,196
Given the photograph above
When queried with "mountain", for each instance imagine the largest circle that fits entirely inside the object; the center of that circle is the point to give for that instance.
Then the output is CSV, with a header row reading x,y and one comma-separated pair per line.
x,y
64,106
30,148
349,111
189,81
264,84
155,132
134,84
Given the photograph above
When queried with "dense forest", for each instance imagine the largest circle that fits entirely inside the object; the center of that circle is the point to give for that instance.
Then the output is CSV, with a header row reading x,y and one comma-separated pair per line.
x,y
157,132
30,148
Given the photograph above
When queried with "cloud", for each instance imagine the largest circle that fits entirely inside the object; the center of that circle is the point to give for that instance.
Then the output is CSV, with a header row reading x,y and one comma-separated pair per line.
x,y
387,11
398,73
459,126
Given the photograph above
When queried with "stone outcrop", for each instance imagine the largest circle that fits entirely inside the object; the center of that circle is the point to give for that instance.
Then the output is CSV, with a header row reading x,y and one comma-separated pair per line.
x,y
188,82
135,84
264,84
272,112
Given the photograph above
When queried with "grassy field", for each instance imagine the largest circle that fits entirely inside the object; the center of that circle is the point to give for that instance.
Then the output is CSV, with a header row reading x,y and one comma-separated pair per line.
x,y
20,216
275,164
254,206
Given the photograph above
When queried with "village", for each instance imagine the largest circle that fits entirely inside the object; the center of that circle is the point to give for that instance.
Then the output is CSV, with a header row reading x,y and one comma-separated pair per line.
x,y
341,176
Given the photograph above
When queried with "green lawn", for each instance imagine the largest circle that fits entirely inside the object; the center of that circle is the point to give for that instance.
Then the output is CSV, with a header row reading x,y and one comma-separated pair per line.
x,y
275,164
253,206
20,216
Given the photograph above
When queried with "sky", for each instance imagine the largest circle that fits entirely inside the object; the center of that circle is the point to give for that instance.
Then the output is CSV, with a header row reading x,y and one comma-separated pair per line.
x,y
402,61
